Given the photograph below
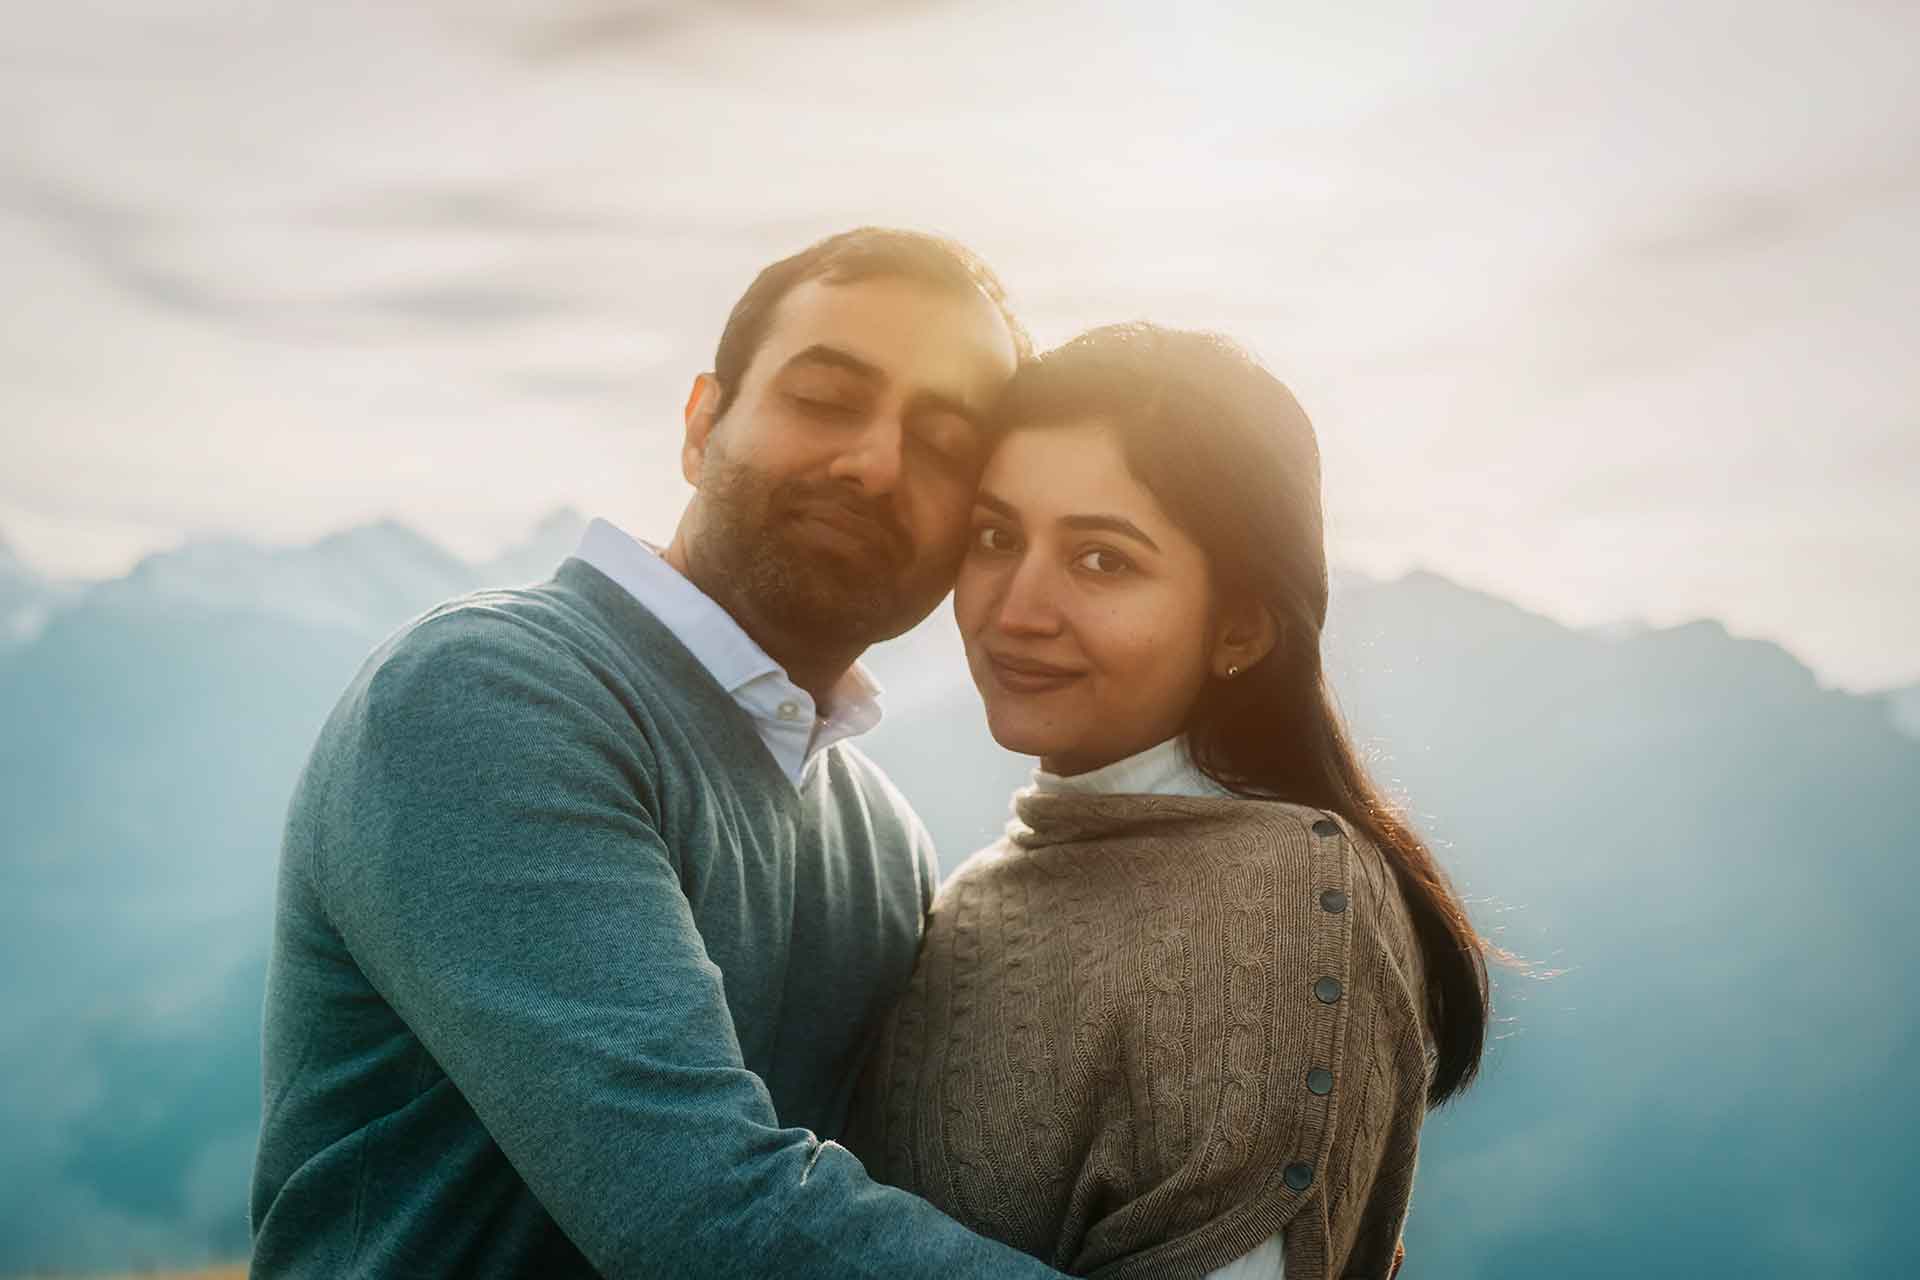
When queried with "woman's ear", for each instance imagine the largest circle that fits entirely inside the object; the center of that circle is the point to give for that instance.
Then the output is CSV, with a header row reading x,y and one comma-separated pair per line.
x,y
1246,633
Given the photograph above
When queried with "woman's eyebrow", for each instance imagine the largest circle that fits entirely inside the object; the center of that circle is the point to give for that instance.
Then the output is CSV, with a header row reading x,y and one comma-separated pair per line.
x,y
1102,523
1111,524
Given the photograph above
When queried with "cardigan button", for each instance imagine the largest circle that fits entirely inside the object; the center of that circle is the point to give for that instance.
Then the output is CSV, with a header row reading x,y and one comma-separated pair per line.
x,y
1333,900
1327,990
1320,1081
1298,1176
1326,827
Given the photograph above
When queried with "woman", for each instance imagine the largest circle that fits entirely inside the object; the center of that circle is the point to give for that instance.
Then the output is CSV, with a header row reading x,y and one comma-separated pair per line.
x,y
1187,1016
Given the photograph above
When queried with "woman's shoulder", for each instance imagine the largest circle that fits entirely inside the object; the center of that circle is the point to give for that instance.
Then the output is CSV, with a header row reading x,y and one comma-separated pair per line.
x,y
1352,940
1298,839
982,865
1367,890
1324,869
1336,837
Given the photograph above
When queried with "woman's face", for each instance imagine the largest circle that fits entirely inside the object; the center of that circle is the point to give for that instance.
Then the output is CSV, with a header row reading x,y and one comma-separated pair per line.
x,y
1087,614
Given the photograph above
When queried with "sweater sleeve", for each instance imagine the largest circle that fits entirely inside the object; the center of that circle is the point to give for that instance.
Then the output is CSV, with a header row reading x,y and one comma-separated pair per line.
x,y
493,866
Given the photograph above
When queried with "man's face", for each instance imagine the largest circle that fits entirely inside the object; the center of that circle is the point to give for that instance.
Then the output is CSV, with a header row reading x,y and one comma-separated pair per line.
x,y
835,491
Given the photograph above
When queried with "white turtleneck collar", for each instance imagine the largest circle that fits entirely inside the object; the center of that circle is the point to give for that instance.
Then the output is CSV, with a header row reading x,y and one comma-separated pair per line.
x,y
1163,770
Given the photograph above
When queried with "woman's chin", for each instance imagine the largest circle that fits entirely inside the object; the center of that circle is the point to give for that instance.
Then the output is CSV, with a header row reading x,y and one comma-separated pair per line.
x,y
1038,748
1023,739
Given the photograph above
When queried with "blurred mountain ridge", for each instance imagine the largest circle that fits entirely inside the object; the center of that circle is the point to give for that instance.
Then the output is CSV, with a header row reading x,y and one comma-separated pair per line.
x,y
1903,707
371,575
27,600
1712,847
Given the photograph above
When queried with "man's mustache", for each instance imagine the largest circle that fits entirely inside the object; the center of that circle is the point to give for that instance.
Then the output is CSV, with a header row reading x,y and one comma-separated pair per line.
x,y
874,519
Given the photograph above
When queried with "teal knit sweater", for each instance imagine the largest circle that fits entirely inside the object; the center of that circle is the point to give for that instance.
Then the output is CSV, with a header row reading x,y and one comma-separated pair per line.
x,y
567,976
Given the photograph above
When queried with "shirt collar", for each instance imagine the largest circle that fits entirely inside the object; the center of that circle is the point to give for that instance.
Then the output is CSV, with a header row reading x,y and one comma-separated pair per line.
x,y
792,727
1166,769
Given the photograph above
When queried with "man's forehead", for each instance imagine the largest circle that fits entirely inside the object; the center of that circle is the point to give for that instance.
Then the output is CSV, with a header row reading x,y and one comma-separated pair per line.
x,y
894,326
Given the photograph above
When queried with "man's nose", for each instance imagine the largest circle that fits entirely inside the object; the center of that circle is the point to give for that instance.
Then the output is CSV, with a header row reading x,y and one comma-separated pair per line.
x,y
872,459
1030,602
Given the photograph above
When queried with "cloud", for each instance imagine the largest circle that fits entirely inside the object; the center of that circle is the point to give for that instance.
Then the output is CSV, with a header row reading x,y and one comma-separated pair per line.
x,y
495,208
143,252
518,211
147,255
472,303
575,386
599,29
117,239
1747,220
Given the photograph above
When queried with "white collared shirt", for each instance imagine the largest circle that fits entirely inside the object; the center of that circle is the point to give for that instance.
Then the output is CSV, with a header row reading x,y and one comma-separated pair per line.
x,y
792,727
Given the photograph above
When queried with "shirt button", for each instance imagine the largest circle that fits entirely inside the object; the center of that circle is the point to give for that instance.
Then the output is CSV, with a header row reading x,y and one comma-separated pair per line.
x,y
1326,827
1327,990
1298,1176
788,710
1320,1081
1333,900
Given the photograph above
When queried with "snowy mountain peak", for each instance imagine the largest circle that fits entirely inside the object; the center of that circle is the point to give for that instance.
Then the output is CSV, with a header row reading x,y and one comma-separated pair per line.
x,y
372,575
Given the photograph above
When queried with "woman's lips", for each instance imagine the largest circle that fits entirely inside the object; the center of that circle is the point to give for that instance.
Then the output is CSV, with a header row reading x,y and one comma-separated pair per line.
x,y
1024,675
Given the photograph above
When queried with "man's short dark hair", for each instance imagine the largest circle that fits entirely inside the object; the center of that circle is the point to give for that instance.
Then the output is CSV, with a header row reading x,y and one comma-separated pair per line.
x,y
865,253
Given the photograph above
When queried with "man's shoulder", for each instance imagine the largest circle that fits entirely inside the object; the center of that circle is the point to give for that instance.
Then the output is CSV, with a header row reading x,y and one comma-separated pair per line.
x,y
485,663
571,626
515,627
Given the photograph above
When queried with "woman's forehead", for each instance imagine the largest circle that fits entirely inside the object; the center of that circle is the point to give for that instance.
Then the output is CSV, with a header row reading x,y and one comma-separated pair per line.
x,y
1056,471
1058,463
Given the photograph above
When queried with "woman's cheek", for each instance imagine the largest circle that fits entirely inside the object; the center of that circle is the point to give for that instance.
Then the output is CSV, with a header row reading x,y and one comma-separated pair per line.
x,y
1133,634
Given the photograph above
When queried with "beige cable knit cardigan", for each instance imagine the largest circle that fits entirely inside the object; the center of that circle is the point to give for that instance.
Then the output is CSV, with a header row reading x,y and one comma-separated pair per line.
x,y
1147,1033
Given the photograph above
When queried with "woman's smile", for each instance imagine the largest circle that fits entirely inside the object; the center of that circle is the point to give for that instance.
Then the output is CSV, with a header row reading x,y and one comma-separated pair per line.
x,y
1018,675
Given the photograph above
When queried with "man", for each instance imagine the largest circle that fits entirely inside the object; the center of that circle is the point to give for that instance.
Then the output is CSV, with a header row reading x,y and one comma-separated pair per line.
x,y
585,901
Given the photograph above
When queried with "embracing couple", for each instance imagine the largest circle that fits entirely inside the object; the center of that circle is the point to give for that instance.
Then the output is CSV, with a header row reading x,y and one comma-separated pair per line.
x,y
602,950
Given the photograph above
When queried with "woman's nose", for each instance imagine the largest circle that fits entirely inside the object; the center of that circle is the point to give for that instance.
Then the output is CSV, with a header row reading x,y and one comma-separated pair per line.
x,y
1029,605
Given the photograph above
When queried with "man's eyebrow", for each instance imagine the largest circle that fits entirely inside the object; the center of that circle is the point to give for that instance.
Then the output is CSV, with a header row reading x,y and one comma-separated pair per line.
x,y
1111,524
835,358
940,402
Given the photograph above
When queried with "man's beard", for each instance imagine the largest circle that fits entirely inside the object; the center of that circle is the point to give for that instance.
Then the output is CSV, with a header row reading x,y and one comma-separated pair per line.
x,y
752,541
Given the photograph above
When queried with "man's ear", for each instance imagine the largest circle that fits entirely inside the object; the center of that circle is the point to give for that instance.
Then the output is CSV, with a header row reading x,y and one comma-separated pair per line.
x,y
702,411
1246,633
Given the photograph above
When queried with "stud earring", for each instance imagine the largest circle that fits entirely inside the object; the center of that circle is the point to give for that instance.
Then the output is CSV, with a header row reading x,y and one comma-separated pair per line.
x,y
1233,671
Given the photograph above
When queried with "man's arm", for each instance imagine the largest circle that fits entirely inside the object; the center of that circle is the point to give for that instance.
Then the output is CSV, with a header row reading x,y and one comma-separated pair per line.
x,y
497,876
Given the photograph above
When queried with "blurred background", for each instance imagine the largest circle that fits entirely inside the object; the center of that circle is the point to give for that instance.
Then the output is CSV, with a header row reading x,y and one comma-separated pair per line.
x,y
318,314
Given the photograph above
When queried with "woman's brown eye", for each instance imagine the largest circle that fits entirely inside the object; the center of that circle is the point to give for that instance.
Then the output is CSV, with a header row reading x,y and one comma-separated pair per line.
x,y
1106,563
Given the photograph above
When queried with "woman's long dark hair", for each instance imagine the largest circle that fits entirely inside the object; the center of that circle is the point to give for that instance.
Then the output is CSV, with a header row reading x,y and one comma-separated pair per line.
x,y
1232,459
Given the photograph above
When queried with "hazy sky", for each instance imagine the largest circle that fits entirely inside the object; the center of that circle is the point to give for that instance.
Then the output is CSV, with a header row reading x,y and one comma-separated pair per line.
x,y
1605,307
